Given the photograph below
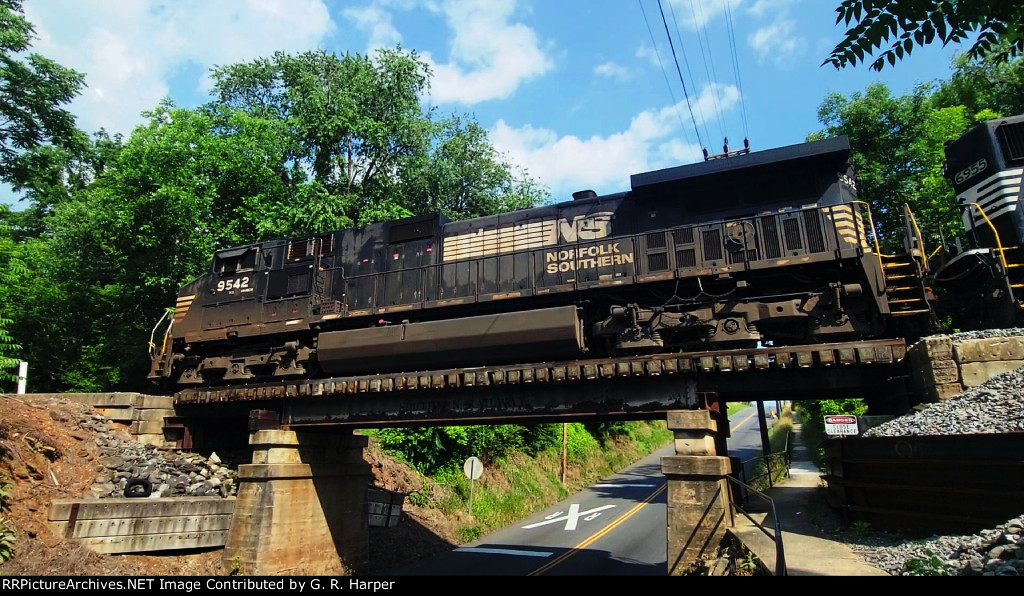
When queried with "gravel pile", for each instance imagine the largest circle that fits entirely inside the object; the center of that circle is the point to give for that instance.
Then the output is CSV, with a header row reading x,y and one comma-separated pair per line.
x,y
995,407
167,473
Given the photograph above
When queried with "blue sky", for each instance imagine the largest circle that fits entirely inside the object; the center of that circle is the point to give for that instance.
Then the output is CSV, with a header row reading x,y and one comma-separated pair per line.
x,y
579,93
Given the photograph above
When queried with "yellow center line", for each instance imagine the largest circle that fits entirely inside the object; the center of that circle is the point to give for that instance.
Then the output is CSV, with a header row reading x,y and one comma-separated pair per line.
x,y
744,421
572,551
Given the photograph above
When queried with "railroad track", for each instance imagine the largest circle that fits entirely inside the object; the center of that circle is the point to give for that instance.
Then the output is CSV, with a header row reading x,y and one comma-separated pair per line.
x,y
819,356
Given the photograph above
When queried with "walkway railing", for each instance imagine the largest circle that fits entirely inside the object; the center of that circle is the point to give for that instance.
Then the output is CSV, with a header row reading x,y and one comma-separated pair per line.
x,y
773,465
772,530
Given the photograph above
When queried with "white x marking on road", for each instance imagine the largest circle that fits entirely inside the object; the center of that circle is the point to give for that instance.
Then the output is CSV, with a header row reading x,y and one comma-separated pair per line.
x,y
572,517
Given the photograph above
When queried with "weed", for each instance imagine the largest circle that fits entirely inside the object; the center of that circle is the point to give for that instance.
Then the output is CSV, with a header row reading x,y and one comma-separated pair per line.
x,y
6,541
925,567
236,566
861,528
469,534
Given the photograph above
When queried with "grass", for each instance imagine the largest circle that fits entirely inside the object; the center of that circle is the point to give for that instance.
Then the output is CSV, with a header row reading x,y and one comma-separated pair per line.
x,y
518,485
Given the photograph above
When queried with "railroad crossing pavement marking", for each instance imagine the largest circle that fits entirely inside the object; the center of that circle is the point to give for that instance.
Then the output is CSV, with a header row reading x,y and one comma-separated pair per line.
x,y
592,539
570,518
504,551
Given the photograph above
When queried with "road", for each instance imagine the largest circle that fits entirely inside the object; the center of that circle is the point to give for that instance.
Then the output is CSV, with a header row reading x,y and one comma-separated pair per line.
x,y
613,528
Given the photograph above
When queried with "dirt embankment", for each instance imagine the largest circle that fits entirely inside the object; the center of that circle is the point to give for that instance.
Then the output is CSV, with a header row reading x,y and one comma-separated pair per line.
x,y
50,451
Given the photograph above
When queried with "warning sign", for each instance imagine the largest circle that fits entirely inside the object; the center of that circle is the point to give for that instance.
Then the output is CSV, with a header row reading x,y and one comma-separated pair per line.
x,y
841,425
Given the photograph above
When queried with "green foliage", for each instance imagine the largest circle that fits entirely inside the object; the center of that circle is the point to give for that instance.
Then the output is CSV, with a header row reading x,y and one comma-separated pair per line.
x,y
433,449
469,533
906,24
931,566
6,532
861,528
32,89
7,540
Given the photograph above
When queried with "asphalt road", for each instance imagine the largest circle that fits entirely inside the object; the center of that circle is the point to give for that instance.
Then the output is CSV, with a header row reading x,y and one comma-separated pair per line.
x,y
613,528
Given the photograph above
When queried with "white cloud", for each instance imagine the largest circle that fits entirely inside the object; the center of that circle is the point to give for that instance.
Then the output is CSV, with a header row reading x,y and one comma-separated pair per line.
x,y
695,14
129,49
649,54
776,42
612,70
490,56
762,8
653,140
377,22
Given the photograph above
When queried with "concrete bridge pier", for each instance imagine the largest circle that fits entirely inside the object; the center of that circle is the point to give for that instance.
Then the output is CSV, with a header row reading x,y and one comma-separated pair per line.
x,y
699,497
301,504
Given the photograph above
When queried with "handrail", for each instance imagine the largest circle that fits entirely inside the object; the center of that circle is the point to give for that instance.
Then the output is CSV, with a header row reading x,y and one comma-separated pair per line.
x,y
776,536
871,223
786,454
999,244
917,233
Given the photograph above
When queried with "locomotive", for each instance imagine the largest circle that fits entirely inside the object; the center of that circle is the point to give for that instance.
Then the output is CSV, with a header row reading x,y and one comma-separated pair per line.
x,y
983,284
757,249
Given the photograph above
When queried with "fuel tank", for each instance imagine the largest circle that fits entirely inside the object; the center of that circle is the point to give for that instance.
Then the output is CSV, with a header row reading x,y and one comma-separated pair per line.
x,y
505,338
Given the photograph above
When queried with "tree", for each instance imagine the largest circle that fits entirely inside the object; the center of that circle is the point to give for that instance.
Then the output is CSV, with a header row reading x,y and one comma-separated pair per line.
x,y
32,89
999,25
10,266
358,135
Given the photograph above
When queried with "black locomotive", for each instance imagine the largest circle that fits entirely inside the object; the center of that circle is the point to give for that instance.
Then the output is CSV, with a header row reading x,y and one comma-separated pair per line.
x,y
768,248
983,284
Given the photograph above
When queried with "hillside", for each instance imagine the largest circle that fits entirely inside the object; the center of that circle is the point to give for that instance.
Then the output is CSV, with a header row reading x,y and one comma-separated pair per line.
x,y
50,451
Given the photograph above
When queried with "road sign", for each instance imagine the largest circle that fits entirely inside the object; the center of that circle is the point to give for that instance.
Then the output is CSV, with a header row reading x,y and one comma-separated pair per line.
x,y
474,468
841,425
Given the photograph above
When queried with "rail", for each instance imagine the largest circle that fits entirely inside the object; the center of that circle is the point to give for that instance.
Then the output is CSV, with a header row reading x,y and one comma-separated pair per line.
x,y
772,465
774,532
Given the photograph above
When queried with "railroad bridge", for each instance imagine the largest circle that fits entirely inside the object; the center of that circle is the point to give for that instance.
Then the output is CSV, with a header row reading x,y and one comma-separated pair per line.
x,y
301,504
303,495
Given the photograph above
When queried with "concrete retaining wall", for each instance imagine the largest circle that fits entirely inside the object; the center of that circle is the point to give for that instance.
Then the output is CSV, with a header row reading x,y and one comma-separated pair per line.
x,y
942,368
150,418
143,525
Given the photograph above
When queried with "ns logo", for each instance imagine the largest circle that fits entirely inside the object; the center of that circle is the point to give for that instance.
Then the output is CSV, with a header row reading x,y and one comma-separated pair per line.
x,y
585,227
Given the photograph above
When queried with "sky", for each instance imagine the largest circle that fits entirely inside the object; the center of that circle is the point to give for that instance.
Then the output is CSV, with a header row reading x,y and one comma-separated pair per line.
x,y
580,94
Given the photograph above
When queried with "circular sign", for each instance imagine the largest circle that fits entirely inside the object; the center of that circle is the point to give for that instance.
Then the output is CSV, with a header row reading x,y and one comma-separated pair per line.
x,y
474,468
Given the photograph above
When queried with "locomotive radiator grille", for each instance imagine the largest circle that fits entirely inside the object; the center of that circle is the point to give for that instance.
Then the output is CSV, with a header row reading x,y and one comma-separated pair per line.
x,y
812,225
770,237
712,244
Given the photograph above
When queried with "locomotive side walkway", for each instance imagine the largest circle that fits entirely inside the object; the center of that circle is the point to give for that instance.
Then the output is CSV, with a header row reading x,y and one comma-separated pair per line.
x,y
808,549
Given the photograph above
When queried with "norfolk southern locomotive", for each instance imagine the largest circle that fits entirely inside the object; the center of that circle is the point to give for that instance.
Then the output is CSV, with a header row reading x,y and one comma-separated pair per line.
x,y
767,248
983,285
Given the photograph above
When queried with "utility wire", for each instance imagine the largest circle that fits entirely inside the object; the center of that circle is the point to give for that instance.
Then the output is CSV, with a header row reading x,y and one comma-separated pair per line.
x,y
736,65
689,73
708,58
675,104
675,58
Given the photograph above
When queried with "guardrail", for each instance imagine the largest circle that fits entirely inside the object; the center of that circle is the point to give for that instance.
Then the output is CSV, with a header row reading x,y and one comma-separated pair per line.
x,y
772,531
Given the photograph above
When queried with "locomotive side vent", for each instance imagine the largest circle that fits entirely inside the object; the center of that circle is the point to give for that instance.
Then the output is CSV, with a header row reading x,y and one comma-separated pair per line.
x,y
656,240
791,230
686,257
657,261
770,237
683,236
815,239
712,244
